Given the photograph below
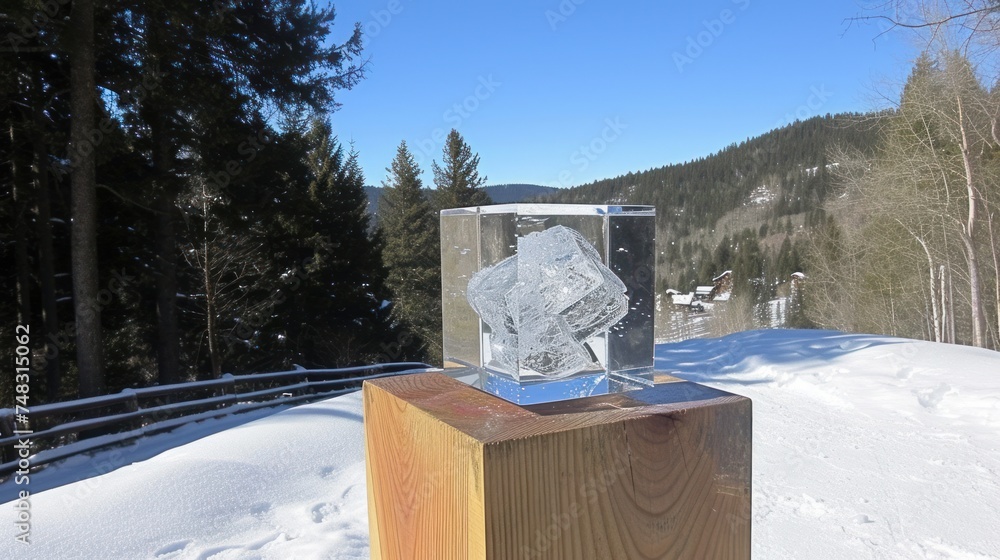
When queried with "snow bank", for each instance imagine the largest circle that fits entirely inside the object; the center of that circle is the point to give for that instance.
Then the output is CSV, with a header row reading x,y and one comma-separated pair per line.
x,y
864,447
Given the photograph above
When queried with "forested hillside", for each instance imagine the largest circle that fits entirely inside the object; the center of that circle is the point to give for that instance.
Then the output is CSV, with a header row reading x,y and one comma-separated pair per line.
x,y
765,189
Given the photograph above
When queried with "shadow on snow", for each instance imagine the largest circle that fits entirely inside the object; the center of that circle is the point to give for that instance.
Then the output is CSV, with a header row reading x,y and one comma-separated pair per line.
x,y
716,359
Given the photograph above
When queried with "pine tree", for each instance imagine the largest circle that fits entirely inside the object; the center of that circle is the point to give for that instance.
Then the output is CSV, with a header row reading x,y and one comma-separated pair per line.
x,y
748,266
723,256
412,256
785,264
328,270
457,180
189,82
345,283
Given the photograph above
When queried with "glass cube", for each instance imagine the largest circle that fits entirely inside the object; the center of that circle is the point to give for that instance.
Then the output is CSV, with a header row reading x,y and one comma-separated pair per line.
x,y
549,301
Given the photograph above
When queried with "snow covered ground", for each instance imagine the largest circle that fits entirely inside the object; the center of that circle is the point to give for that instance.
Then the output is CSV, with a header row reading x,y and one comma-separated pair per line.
x,y
864,447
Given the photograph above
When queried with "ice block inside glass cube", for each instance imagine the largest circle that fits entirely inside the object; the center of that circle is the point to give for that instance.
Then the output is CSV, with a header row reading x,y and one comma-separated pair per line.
x,y
549,301
544,303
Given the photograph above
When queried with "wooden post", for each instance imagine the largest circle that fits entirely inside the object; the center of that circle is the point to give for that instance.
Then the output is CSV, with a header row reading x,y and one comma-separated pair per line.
x,y
456,473
7,452
132,405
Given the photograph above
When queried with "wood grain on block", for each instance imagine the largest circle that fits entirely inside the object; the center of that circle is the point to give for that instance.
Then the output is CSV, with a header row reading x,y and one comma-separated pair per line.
x,y
456,473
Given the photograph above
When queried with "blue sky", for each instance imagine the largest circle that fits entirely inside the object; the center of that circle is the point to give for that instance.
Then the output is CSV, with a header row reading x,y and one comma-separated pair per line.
x,y
563,92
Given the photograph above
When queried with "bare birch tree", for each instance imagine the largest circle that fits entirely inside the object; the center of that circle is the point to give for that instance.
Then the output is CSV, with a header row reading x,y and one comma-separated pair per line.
x,y
228,265
918,202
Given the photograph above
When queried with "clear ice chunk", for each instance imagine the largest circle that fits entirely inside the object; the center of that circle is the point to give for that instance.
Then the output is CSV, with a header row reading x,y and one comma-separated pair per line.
x,y
545,302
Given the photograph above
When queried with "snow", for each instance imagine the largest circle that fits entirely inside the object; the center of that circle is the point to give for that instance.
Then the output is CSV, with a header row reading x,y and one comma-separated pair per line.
x,y
760,196
290,485
777,310
811,171
682,299
864,447
723,275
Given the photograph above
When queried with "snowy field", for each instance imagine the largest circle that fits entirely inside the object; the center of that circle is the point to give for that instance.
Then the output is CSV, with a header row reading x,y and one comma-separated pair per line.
x,y
864,447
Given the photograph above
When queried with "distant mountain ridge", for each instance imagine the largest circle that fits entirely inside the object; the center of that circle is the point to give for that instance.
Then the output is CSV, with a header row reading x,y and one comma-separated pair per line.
x,y
786,166
518,192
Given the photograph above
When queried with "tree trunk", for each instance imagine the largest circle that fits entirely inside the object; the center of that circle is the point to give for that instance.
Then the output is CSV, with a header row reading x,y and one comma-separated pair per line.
x,y
168,333
969,238
210,294
933,297
46,260
996,273
83,243
210,311
20,195
951,308
944,306
167,348
975,291
930,269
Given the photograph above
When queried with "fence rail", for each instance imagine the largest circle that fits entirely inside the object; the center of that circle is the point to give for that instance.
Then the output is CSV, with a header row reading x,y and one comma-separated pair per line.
x,y
60,430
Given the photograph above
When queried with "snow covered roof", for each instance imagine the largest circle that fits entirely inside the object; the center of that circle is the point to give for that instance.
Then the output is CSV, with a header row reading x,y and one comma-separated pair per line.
x,y
723,275
703,290
682,299
798,276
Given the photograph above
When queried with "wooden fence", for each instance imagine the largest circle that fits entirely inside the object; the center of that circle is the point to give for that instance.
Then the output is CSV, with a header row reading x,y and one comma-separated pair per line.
x,y
59,430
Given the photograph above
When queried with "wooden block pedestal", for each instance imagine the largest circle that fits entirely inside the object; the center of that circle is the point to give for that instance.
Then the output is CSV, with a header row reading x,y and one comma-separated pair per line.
x,y
456,473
